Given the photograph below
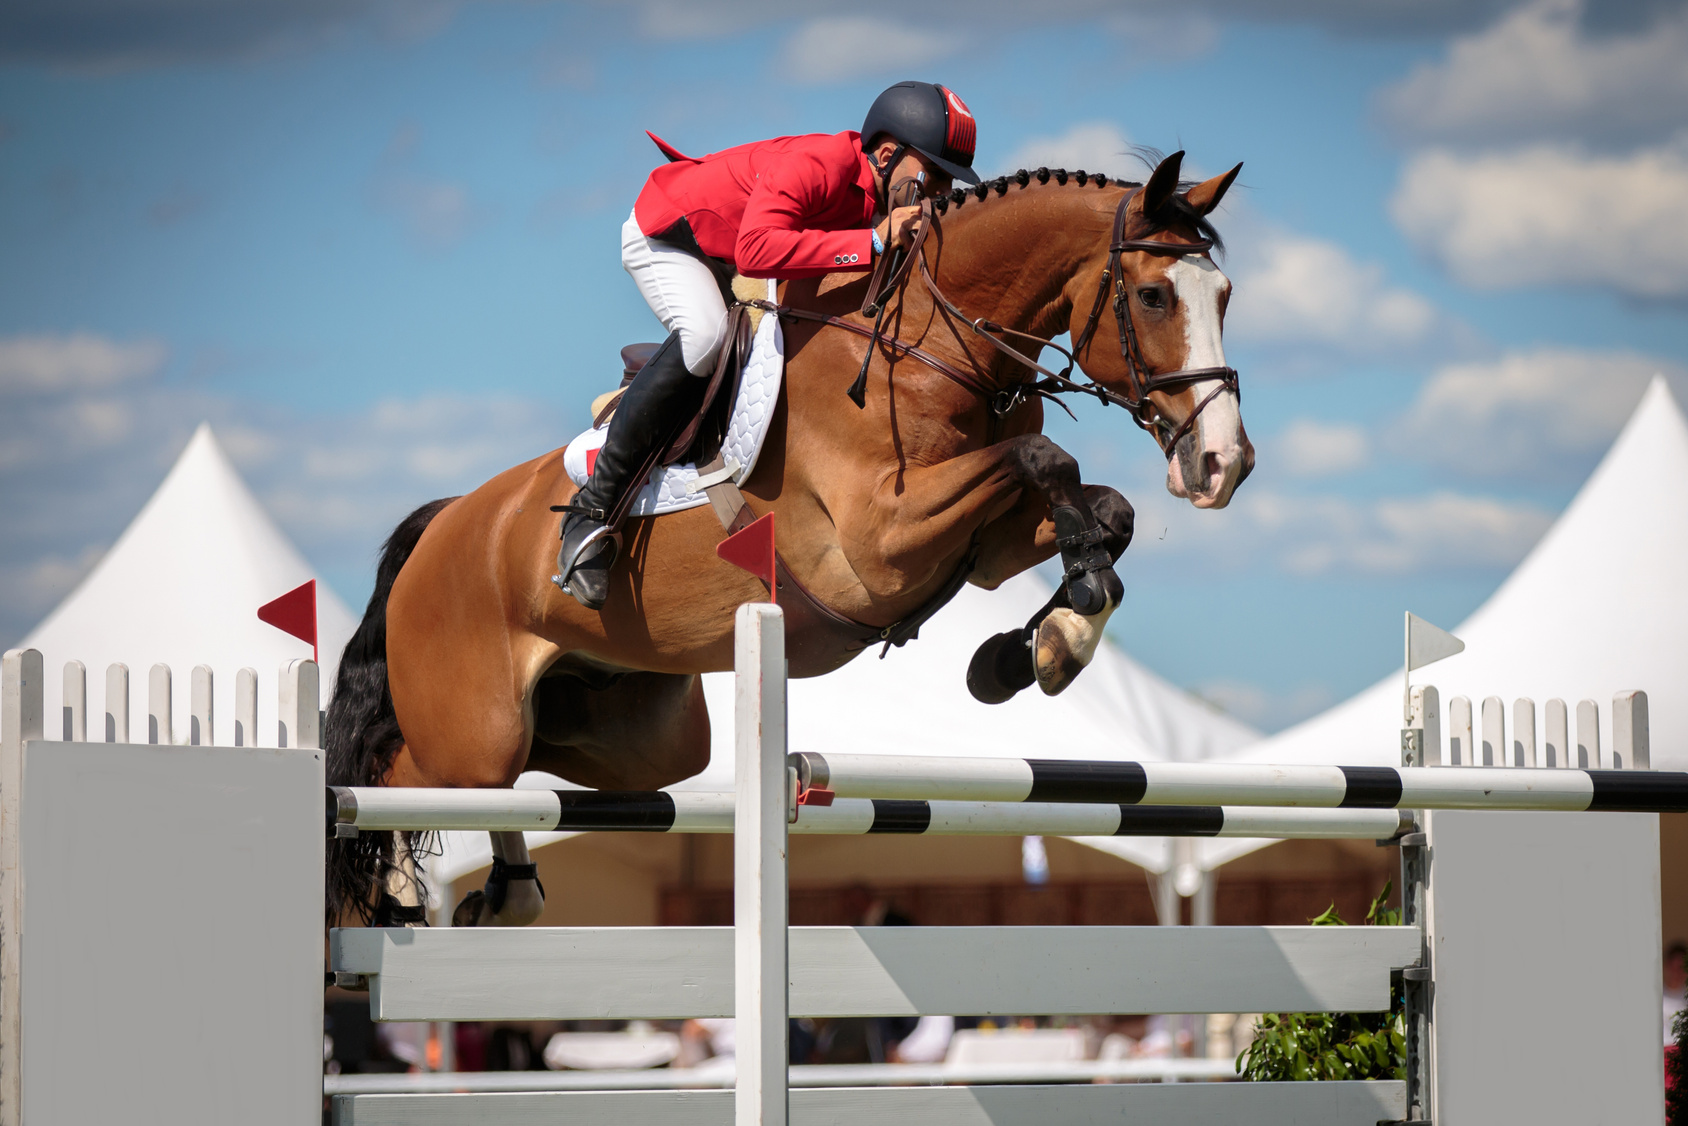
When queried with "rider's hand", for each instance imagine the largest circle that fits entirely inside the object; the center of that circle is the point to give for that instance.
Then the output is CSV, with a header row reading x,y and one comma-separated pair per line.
x,y
897,229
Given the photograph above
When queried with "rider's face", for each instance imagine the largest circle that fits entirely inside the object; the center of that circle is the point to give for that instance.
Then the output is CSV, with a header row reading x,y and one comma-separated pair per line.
x,y
938,182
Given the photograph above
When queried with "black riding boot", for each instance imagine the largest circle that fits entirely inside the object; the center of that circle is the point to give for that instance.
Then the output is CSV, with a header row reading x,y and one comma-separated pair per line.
x,y
651,412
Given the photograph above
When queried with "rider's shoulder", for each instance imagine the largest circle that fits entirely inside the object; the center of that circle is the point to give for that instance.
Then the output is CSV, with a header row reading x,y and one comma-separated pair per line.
x,y
837,155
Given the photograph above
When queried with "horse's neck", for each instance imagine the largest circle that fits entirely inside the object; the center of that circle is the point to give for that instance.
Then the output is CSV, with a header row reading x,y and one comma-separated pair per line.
x,y
1011,259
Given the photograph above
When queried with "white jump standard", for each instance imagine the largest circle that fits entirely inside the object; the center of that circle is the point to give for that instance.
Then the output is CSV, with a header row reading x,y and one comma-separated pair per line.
x,y
354,809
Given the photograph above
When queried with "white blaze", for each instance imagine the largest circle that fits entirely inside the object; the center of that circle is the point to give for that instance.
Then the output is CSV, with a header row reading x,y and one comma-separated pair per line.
x,y
1198,284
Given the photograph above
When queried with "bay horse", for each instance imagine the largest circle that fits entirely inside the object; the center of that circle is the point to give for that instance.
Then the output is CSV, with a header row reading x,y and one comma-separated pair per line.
x,y
470,666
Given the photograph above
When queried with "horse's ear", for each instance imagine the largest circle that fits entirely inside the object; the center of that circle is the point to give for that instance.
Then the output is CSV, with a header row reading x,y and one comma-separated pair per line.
x,y
1204,197
1163,182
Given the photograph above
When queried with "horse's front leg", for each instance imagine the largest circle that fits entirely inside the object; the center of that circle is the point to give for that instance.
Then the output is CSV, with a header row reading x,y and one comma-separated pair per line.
x,y
1024,536
921,514
1057,642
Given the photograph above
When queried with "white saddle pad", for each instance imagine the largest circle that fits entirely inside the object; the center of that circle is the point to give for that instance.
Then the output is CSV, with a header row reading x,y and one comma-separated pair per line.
x,y
747,427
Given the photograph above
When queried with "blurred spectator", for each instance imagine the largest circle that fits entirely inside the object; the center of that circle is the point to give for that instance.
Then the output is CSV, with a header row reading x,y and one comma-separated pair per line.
x,y
1676,984
928,1043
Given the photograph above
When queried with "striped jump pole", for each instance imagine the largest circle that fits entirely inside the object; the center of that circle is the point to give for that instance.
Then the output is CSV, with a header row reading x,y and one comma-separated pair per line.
x,y
353,809
1239,784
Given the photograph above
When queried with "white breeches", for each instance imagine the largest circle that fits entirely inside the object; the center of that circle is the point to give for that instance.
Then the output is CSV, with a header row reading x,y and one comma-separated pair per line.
x,y
680,291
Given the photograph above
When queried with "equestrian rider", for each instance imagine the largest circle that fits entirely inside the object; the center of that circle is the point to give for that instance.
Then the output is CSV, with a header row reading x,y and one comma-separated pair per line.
x,y
792,207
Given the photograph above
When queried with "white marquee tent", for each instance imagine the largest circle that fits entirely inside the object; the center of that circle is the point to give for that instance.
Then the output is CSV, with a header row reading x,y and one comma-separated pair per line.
x,y
182,586
1599,606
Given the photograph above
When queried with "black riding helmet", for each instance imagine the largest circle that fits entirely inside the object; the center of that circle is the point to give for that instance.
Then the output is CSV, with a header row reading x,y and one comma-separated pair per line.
x,y
929,119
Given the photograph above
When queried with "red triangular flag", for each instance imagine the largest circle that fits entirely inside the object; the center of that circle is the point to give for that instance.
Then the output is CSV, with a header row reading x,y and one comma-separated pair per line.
x,y
294,613
753,549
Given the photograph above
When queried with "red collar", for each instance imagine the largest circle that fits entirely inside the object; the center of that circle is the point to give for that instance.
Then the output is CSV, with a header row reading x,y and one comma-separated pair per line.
x,y
864,166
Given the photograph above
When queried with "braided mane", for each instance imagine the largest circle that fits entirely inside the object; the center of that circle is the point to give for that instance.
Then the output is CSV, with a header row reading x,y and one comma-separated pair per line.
x,y
1176,211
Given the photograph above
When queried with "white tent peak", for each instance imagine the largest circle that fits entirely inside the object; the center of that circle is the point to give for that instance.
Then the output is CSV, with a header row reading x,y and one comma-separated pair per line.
x,y
182,586
1597,607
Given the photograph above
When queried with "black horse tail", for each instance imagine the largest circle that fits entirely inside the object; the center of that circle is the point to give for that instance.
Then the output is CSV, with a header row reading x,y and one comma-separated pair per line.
x,y
362,733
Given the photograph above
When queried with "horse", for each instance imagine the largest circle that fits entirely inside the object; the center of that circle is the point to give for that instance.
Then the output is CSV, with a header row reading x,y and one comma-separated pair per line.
x,y
470,666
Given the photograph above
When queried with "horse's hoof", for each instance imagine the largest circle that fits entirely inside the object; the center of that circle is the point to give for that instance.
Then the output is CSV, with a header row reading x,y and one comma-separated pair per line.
x,y
1066,642
468,912
1000,668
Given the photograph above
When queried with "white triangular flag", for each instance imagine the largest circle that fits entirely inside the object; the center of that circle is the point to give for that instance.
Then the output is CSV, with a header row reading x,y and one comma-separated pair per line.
x,y
1427,644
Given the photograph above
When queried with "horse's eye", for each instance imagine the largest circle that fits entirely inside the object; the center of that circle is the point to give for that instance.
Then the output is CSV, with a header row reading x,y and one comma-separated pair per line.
x,y
1150,297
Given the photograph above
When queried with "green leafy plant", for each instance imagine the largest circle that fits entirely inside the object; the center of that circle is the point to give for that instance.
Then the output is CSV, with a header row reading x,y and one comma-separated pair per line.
x,y
1302,1046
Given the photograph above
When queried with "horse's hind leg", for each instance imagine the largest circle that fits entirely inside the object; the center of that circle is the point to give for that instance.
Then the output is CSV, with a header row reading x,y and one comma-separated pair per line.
x,y
642,732
512,896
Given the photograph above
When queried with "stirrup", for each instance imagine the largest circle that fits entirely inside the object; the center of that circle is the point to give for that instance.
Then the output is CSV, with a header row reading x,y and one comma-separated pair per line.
x,y
567,568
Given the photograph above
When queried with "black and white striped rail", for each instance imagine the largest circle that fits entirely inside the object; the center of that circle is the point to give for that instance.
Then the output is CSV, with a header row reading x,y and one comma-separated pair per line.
x,y
1238,784
661,811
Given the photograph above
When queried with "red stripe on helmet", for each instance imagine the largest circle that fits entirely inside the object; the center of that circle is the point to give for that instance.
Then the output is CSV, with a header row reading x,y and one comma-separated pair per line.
x,y
960,132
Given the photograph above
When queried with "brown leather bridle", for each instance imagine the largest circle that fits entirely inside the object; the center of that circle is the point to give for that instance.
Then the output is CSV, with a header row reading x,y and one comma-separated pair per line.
x,y
1143,381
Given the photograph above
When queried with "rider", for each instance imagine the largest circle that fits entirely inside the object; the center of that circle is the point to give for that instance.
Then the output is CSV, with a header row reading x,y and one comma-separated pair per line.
x,y
792,207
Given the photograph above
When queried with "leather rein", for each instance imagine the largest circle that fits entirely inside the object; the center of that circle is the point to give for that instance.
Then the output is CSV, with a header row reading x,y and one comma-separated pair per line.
x,y
1002,401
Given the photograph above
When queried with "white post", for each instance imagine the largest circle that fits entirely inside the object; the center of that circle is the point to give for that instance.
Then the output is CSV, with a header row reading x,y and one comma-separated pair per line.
x,y
1459,733
1524,732
1630,741
246,708
117,704
301,721
1558,734
760,915
75,702
1425,713
201,728
159,726
1588,735
22,718
1494,731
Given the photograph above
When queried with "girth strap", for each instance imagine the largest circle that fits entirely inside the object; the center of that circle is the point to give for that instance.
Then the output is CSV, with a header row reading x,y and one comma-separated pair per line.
x,y
812,622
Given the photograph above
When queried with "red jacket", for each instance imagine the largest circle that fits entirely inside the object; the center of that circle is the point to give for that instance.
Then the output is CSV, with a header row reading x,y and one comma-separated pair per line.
x,y
792,207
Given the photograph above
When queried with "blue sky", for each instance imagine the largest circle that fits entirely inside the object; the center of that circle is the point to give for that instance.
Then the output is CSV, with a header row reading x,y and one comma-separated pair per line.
x,y
377,247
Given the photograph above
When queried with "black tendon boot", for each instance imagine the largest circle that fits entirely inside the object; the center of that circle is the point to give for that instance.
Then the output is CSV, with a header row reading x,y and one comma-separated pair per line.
x,y
1088,569
651,412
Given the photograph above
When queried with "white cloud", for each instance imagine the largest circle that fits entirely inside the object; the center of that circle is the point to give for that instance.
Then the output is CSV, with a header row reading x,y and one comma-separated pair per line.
x,y
1292,289
80,361
1552,215
437,212
1544,412
1314,535
80,460
1095,146
838,48
1537,73
34,586
1308,448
